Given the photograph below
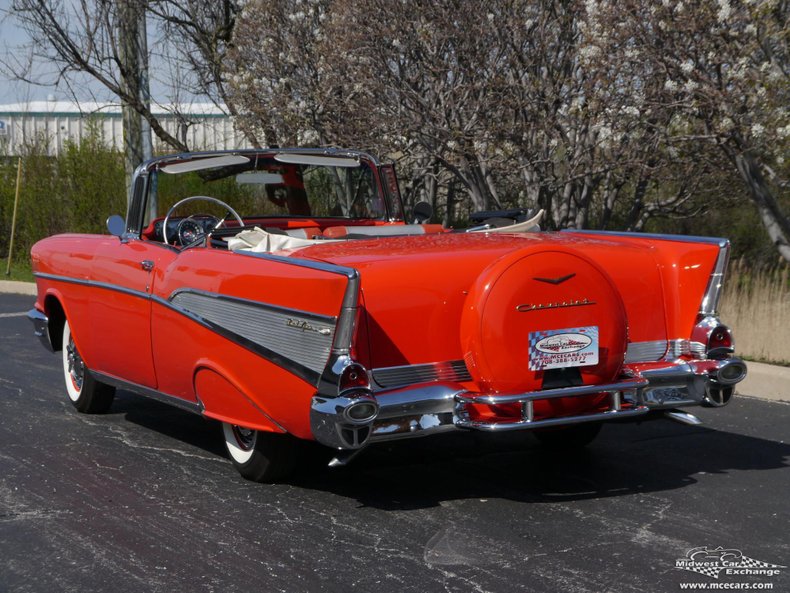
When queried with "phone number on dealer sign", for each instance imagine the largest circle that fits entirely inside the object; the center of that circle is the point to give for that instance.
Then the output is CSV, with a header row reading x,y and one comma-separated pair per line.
x,y
561,348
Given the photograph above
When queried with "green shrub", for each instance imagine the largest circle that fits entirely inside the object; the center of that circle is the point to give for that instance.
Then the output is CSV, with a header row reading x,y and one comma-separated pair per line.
x,y
73,192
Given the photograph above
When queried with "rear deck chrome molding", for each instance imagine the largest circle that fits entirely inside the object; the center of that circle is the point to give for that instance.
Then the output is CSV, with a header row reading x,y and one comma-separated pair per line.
x,y
396,376
659,236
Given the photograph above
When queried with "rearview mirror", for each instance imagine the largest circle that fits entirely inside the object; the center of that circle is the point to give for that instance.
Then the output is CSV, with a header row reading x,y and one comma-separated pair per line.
x,y
422,213
116,225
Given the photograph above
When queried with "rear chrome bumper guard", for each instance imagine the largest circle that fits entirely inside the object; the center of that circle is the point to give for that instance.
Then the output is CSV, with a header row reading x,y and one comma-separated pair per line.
x,y
619,394
41,327
432,408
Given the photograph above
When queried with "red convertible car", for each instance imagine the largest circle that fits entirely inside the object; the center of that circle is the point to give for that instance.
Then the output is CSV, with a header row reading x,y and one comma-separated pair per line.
x,y
283,293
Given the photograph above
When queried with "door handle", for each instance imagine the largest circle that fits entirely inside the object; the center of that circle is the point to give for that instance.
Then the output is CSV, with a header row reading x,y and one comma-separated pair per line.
x,y
147,265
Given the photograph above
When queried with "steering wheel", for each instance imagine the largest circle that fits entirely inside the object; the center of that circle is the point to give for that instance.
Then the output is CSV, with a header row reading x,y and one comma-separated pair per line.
x,y
207,198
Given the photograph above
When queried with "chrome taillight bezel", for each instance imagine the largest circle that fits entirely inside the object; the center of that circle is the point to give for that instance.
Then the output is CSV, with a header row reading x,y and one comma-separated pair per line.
x,y
700,343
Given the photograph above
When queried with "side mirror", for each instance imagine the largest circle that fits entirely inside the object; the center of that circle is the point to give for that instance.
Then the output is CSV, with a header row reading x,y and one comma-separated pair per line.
x,y
422,213
116,225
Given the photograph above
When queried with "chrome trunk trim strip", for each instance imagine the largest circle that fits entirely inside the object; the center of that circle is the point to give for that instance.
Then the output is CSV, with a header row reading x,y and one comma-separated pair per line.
x,y
396,376
645,351
654,350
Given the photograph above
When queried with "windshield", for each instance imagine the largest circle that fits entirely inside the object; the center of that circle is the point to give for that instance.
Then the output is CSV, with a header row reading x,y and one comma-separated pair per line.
x,y
281,185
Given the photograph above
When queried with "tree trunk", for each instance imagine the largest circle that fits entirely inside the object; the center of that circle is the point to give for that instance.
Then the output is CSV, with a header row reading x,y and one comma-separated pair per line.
x,y
128,43
776,224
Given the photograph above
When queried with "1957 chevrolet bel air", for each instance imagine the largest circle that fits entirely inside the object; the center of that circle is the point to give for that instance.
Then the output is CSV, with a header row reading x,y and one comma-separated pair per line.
x,y
283,293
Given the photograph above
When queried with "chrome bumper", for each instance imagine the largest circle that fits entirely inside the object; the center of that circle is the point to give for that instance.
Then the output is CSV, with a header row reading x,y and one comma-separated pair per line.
x,y
41,327
432,408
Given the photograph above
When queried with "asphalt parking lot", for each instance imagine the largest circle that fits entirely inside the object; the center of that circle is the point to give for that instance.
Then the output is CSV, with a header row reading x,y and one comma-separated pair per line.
x,y
143,499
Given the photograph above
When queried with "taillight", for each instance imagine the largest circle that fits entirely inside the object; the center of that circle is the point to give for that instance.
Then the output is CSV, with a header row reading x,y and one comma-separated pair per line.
x,y
354,376
711,339
720,337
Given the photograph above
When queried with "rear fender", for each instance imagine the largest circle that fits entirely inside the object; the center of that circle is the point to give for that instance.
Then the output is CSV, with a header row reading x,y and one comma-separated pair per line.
x,y
224,399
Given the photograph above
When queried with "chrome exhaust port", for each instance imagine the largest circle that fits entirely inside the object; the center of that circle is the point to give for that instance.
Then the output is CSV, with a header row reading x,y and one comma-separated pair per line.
x,y
731,372
717,395
343,422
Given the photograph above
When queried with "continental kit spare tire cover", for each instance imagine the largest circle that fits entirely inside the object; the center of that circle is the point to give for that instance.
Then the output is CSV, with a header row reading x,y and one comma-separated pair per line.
x,y
532,311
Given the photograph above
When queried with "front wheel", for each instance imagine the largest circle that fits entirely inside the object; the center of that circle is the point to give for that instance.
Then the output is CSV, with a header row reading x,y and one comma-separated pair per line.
x,y
87,394
260,456
568,438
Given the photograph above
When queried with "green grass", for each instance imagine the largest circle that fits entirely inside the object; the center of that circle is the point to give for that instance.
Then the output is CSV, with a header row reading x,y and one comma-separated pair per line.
x,y
19,271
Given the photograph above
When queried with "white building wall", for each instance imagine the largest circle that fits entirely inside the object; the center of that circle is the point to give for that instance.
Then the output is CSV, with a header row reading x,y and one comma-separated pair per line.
x,y
56,123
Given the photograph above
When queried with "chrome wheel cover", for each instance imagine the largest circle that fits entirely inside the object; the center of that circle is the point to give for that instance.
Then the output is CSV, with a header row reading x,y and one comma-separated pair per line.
x,y
245,437
76,368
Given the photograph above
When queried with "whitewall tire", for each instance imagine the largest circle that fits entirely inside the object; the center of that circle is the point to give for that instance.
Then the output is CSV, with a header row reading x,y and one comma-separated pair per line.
x,y
260,456
86,393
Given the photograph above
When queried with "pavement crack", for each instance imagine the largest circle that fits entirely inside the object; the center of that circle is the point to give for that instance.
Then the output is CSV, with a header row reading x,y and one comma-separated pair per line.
x,y
8,516
122,437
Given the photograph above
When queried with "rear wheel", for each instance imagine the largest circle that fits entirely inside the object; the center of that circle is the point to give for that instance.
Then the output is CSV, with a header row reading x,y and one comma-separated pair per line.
x,y
87,394
567,438
260,456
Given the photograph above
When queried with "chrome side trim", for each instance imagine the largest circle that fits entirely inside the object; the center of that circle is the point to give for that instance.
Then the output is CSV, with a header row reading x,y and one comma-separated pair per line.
x,y
194,407
287,311
304,373
308,374
344,330
41,328
94,284
298,336
395,376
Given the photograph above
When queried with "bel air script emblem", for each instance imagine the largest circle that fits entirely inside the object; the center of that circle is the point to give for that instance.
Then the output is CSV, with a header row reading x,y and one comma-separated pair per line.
x,y
306,327
554,305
